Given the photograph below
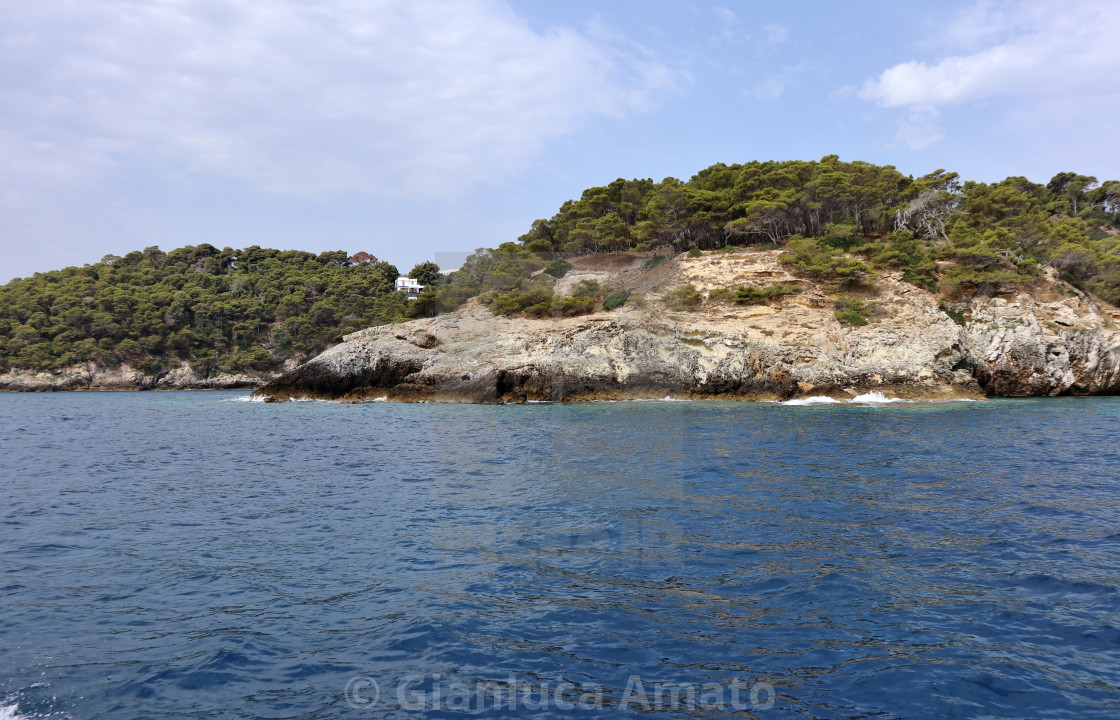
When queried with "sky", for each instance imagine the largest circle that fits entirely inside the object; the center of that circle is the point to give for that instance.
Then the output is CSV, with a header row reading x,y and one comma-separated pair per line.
x,y
407,128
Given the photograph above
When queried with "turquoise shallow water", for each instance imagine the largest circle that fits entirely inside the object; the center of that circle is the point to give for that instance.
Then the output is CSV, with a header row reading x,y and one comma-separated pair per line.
x,y
173,555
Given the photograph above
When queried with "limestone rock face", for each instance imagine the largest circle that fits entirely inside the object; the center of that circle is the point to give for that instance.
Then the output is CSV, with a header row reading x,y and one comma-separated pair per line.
x,y
485,359
1023,347
95,377
1053,340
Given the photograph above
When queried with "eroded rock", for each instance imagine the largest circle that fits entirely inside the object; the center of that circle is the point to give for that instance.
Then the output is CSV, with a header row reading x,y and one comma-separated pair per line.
x,y
1010,345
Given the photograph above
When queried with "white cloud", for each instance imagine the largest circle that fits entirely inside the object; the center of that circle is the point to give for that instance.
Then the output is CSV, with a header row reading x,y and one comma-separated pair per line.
x,y
770,88
1047,47
921,129
774,86
381,96
740,31
774,33
1045,58
723,14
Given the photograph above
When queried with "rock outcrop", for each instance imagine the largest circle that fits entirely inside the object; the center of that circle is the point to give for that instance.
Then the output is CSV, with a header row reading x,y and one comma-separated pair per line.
x,y
1049,339
91,376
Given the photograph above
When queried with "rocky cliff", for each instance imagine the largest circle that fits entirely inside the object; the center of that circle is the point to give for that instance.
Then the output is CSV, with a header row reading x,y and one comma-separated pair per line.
x,y
1046,339
91,376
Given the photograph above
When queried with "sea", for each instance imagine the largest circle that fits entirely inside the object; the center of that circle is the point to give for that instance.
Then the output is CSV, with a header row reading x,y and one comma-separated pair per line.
x,y
200,555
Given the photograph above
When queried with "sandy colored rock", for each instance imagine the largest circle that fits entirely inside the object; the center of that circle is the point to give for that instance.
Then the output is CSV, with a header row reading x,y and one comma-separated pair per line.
x,y
90,376
1047,340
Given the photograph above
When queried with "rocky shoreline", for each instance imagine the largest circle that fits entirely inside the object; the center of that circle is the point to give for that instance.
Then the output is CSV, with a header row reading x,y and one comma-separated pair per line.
x,y
1043,340
93,377
1049,339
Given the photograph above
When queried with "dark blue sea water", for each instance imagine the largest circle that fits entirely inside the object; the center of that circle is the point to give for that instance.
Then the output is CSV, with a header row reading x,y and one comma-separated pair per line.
x,y
175,555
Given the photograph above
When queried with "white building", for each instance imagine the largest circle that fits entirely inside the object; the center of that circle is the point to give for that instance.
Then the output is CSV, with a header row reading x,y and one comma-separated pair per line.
x,y
410,286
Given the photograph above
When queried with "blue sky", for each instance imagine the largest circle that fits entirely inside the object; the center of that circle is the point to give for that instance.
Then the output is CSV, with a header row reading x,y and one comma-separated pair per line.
x,y
409,127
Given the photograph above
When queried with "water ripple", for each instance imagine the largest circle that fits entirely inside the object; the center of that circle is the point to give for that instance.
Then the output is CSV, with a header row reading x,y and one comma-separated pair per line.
x,y
176,555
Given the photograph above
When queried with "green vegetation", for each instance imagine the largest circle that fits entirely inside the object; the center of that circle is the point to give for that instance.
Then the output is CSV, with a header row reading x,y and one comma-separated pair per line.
x,y
427,273
535,303
721,295
558,268
589,288
529,297
827,208
839,223
615,300
220,310
539,303
901,250
853,311
956,315
683,298
750,295
982,270
747,295
508,269
821,261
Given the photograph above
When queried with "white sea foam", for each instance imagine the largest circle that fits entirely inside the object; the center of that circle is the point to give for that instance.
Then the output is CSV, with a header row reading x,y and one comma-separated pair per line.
x,y
250,398
871,398
383,398
814,400
10,712
666,399
876,398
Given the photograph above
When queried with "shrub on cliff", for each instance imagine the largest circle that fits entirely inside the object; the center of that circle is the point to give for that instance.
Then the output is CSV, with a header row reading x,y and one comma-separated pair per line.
x,y
984,270
903,251
853,311
615,300
683,298
749,295
536,302
539,303
955,314
574,305
808,258
721,295
589,287
558,267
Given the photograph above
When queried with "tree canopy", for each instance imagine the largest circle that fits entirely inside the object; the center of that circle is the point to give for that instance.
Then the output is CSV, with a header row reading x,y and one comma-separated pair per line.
x,y
220,310
994,233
